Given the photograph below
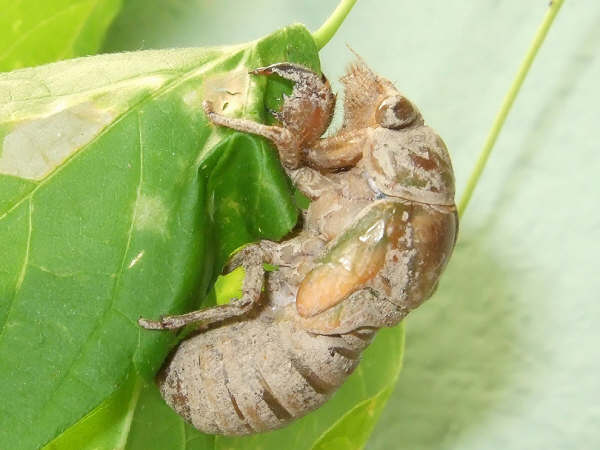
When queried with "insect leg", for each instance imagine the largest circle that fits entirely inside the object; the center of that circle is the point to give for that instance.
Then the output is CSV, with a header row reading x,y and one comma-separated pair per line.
x,y
304,78
307,112
341,151
251,259
364,308
287,145
356,256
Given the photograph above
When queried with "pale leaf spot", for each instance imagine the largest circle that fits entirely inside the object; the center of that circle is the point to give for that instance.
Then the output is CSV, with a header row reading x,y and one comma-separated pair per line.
x,y
136,259
193,99
227,91
151,214
34,148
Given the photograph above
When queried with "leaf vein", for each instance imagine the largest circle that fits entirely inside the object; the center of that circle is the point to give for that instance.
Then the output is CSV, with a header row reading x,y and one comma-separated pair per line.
x,y
119,273
110,307
125,316
22,272
168,85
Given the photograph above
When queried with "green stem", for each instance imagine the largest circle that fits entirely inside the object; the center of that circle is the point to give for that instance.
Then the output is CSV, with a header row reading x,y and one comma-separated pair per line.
x,y
507,104
331,25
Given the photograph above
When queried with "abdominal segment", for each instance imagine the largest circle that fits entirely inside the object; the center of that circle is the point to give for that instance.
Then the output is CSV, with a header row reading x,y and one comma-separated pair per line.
x,y
258,375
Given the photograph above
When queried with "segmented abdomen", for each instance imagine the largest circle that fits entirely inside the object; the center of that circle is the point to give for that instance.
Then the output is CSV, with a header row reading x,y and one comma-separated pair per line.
x,y
257,375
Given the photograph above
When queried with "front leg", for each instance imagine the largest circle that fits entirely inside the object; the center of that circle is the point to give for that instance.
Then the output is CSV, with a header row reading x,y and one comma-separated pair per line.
x,y
304,117
287,144
365,308
340,151
251,259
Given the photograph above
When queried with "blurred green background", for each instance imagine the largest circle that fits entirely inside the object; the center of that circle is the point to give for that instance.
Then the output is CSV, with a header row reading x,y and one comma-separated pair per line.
x,y
507,354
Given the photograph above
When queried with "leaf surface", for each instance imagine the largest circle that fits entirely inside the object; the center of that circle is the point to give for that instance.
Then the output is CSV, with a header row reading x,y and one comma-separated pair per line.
x,y
118,200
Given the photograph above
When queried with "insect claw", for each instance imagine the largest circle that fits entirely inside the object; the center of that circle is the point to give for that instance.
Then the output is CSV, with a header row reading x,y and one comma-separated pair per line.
x,y
292,72
286,70
150,324
261,71
308,110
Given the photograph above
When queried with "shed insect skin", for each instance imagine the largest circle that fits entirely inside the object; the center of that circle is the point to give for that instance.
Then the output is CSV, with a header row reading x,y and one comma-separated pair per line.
x,y
375,239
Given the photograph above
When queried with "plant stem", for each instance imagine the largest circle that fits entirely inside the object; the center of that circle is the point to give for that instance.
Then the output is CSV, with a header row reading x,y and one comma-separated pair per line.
x,y
507,103
331,25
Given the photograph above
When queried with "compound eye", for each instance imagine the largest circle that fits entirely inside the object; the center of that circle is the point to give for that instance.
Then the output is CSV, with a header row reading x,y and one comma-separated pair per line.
x,y
396,112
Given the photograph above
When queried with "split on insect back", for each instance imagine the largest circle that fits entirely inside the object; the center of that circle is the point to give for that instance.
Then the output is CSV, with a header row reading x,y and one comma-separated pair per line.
x,y
372,245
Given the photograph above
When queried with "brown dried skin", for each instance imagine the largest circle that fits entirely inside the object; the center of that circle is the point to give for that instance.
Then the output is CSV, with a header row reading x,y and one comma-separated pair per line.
x,y
372,247
307,112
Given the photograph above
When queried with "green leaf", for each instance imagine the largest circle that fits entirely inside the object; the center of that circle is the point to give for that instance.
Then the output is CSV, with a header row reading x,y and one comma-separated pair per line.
x,y
113,417
229,287
118,200
355,427
35,32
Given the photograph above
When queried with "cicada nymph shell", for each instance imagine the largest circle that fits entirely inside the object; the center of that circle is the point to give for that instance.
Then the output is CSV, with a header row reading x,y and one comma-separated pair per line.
x,y
374,241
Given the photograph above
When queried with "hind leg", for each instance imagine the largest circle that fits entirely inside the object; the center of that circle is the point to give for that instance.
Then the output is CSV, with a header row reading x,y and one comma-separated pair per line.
x,y
251,259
